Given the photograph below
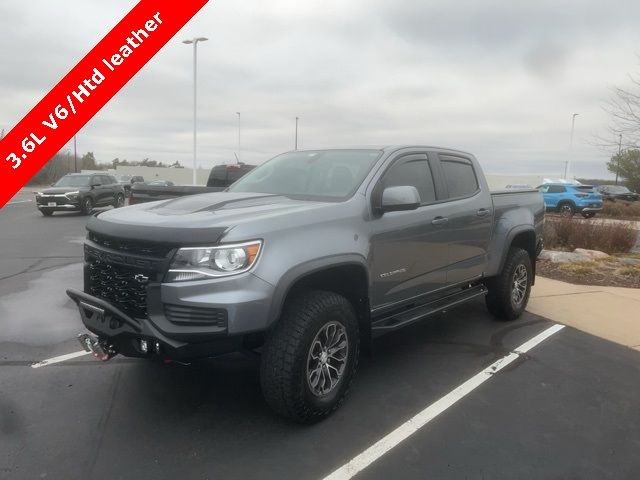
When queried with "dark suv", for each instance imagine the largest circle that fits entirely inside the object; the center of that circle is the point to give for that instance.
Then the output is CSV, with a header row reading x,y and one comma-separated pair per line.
x,y
80,192
617,192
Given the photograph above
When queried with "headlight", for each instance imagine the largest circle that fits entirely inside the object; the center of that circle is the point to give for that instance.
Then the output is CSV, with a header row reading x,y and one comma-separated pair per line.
x,y
196,263
72,194
38,194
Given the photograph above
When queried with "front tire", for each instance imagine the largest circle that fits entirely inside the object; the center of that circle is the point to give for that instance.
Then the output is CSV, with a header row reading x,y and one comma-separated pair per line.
x,y
119,201
509,291
566,210
46,213
310,356
87,206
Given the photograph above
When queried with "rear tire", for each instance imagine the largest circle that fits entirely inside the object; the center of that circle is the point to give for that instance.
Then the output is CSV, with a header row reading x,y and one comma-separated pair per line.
x,y
588,214
310,356
509,291
87,206
46,213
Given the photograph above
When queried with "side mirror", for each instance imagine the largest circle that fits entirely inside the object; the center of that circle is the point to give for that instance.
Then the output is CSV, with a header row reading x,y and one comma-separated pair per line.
x,y
395,199
95,184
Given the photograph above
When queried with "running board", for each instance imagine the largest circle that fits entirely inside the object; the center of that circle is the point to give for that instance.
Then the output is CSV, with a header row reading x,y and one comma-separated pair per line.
x,y
400,319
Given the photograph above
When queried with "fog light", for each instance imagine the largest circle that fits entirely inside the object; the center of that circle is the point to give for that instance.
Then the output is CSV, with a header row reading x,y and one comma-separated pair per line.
x,y
144,346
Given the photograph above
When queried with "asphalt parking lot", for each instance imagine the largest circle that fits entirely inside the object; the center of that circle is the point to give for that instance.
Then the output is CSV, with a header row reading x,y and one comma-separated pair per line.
x,y
566,409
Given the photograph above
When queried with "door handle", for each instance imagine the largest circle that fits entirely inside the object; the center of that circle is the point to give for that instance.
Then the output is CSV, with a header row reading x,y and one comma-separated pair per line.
x,y
483,212
440,221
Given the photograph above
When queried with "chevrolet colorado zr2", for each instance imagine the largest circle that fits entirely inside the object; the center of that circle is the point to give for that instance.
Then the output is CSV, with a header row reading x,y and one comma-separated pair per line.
x,y
306,259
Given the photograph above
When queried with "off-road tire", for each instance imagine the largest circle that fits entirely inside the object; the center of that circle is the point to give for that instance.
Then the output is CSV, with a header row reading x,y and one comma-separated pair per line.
x,y
283,365
588,214
87,206
499,298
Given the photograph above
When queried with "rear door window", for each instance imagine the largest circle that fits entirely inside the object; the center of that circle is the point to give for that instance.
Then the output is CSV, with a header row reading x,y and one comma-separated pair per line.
x,y
459,175
556,189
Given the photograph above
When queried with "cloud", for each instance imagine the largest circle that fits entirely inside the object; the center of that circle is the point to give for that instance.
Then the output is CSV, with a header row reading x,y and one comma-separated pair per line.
x,y
500,79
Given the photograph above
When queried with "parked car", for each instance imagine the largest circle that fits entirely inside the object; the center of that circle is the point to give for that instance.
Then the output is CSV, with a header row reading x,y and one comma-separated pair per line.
x,y
519,186
220,177
307,257
80,192
160,183
617,192
127,180
569,199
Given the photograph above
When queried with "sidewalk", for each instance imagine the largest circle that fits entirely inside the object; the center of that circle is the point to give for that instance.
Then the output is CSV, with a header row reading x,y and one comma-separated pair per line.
x,y
608,312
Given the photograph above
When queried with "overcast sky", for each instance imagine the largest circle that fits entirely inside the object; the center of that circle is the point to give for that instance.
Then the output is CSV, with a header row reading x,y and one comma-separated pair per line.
x,y
498,78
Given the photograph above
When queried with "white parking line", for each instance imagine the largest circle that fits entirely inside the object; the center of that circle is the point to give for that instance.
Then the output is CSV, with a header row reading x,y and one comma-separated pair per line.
x,y
61,358
19,201
414,424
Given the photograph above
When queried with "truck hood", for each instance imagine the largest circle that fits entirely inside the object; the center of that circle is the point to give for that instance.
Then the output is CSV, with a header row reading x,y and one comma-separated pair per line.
x,y
195,219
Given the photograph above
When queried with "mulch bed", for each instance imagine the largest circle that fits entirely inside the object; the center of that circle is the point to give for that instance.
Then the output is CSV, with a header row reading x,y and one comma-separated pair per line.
x,y
604,275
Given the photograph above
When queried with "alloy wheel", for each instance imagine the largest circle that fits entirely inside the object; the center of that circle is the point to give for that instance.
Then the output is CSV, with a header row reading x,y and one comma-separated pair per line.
x,y
519,284
327,358
566,210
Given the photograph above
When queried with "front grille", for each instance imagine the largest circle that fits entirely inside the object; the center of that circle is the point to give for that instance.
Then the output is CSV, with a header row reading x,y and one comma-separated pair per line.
x,y
124,287
130,246
57,200
186,315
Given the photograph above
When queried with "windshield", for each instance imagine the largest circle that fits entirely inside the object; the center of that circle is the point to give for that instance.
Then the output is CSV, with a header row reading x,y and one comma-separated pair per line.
x,y
73,181
322,174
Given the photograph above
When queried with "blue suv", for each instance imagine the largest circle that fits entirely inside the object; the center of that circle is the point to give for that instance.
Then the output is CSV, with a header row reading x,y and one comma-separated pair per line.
x,y
567,199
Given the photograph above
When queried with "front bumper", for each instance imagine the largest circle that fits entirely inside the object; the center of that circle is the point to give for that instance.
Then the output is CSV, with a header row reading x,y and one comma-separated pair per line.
x,y
189,319
590,209
59,207
62,203
125,334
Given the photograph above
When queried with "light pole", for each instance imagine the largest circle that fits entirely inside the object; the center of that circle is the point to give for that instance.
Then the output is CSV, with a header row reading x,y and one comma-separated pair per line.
x,y
567,168
296,144
195,93
619,155
75,155
239,146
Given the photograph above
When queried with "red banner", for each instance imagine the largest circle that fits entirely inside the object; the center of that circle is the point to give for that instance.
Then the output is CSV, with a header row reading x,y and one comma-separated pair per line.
x,y
88,87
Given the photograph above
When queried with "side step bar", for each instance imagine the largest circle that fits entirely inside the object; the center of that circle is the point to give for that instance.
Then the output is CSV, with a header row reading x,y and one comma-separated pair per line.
x,y
405,317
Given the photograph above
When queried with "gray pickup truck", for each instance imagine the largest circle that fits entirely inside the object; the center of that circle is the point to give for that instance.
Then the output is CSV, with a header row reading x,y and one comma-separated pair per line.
x,y
305,259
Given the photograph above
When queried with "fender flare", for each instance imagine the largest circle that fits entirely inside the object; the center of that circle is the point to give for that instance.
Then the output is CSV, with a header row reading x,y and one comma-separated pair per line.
x,y
297,273
511,235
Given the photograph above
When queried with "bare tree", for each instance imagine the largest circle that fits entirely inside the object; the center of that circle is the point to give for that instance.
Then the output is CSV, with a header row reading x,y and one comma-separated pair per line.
x,y
624,109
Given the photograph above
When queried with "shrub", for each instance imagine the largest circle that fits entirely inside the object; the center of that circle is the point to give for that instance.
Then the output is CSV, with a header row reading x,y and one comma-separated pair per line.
x,y
569,234
630,271
579,268
621,210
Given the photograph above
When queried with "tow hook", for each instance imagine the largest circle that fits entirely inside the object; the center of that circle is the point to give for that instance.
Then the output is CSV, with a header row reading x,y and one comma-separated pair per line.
x,y
97,347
